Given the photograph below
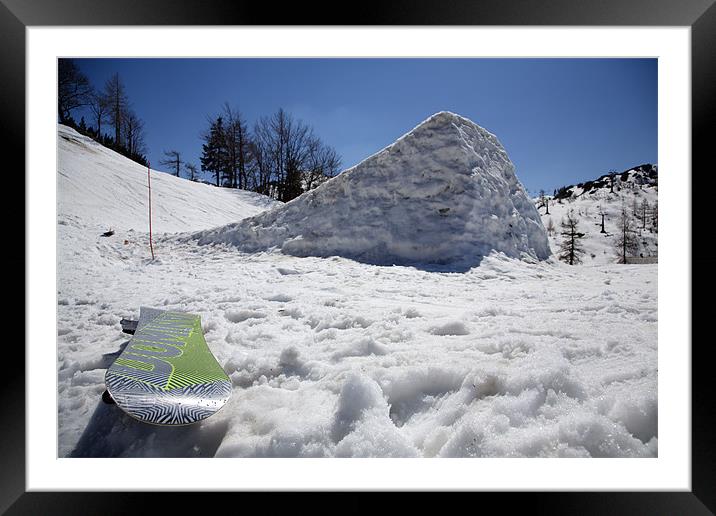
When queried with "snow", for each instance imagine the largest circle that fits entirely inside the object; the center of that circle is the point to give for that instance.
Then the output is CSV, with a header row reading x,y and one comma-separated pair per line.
x,y
444,192
101,188
334,357
587,206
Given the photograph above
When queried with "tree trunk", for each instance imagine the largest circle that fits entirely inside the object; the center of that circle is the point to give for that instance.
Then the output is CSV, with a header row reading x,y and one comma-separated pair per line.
x,y
118,120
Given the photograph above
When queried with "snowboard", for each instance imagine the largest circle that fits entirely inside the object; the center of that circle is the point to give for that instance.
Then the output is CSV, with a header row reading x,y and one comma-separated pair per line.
x,y
167,374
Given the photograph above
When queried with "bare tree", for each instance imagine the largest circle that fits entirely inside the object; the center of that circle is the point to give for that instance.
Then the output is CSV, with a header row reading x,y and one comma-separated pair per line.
x,y
643,213
116,98
323,163
295,140
570,248
550,227
133,133
173,159
288,158
192,170
100,111
73,89
237,140
260,173
543,201
612,178
625,242
603,214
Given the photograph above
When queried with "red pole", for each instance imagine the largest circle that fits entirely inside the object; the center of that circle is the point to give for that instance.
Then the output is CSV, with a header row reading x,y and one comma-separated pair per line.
x,y
149,182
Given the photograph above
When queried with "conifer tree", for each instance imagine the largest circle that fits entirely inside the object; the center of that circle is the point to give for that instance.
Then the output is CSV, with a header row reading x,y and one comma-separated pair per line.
x,y
570,248
214,155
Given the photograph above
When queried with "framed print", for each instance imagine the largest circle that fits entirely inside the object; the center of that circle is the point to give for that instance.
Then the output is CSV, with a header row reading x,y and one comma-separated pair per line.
x,y
350,303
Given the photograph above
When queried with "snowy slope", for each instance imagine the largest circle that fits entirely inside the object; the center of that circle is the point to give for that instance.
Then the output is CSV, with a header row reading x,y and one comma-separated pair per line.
x,y
105,189
331,357
588,200
444,192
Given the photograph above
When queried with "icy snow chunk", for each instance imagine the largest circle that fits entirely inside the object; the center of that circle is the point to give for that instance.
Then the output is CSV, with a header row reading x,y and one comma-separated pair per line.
x,y
451,328
375,436
638,413
106,320
290,362
280,298
390,208
358,395
360,348
412,313
361,425
237,316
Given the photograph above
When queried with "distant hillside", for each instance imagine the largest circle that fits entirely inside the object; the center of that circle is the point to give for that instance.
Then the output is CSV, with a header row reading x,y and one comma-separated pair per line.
x,y
606,194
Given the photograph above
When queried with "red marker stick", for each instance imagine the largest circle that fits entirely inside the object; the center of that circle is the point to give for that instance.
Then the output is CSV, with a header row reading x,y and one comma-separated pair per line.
x,y
149,182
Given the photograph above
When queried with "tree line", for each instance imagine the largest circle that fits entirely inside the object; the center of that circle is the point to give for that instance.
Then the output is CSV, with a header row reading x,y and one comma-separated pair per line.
x,y
279,156
107,107
625,241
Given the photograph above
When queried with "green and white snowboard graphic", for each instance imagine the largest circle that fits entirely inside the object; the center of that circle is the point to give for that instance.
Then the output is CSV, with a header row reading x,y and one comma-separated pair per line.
x,y
167,375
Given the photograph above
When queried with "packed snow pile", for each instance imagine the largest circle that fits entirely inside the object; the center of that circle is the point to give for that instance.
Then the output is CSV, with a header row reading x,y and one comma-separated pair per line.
x,y
444,192
104,188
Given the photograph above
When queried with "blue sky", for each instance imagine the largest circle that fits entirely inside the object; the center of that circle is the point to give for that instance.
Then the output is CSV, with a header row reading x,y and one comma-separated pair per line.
x,y
561,121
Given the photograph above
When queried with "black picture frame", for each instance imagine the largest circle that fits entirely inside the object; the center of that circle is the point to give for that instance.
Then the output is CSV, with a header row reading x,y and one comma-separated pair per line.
x,y
700,15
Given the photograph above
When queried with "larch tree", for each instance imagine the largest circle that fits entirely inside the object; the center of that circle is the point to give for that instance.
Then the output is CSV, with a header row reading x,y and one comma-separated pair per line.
x,y
100,111
612,179
571,248
192,171
116,97
133,133
602,213
236,138
544,201
550,227
173,160
655,216
644,213
625,240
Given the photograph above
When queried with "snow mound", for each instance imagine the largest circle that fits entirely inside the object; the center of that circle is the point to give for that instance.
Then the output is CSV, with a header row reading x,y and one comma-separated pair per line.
x,y
445,192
